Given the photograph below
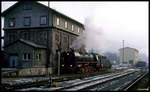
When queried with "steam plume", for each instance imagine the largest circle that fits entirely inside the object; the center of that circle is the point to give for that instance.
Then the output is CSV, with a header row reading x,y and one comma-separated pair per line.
x,y
93,38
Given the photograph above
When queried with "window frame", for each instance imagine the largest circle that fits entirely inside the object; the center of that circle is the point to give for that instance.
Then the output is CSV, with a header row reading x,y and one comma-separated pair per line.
x,y
29,21
72,27
66,24
39,56
24,56
11,37
11,20
78,30
41,21
27,55
25,35
45,35
57,37
57,21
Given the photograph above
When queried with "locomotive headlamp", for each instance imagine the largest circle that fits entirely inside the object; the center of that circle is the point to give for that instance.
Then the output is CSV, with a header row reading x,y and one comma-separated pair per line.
x,y
67,53
62,65
70,65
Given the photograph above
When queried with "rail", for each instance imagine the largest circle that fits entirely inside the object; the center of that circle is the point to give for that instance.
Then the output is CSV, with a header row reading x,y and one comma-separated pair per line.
x,y
134,82
88,83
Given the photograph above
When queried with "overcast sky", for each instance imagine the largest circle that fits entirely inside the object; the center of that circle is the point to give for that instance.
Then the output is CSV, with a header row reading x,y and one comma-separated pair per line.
x,y
117,21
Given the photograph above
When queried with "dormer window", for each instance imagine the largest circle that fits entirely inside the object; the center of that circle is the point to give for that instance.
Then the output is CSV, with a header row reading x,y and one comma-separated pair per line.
x,y
11,22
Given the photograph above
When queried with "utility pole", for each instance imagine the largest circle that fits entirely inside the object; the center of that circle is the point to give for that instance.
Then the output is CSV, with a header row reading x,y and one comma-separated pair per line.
x,y
123,52
48,49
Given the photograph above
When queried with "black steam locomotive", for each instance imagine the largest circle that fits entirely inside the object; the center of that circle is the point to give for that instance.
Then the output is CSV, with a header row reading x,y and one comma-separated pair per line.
x,y
75,62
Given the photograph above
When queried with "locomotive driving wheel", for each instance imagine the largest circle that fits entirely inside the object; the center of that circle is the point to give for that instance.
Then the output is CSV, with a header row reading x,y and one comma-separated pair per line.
x,y
82,70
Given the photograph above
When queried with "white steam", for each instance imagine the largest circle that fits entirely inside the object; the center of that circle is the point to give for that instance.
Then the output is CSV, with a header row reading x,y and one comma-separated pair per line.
x,y
93,38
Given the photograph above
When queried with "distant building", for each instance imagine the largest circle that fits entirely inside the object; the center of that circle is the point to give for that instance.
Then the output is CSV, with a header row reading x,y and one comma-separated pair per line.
x,y
29,26
129,55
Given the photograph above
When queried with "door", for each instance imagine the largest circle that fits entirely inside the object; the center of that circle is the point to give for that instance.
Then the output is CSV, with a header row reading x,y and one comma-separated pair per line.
x,y
13,61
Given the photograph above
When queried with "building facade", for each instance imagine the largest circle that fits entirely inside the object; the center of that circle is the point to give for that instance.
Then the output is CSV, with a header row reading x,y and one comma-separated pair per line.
x,y
129,55
32,29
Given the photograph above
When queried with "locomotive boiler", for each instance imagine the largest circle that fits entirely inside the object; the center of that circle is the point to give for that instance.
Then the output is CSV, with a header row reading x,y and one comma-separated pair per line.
x,y
76,62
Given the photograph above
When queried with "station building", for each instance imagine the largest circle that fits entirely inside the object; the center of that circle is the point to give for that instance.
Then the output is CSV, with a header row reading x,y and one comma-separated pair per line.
x,y
129,55
31,29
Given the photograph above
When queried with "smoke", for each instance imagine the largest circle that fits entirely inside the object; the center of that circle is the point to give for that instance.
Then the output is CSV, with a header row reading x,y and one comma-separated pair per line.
x,y
93,38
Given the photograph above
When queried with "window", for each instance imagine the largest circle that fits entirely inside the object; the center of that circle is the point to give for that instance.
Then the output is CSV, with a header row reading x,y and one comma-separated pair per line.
x,y
78,29
11,37
38,56
45,35
72,39
26,37
66,24
65,39
57,21
26,56
11,22
43,20
29,56
72,27
27,21
41,36
27,6
57,37
29,36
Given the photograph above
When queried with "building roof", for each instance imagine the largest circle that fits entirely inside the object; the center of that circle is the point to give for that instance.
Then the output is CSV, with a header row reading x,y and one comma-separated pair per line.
x,y
16,4
28,43
129,48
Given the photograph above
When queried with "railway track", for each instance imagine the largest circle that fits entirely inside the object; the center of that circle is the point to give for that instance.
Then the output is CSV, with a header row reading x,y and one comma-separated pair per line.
x,y
83,84
120,83
130,86
93,82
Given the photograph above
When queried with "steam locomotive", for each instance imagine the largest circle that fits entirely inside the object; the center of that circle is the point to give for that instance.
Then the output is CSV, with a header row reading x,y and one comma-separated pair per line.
x,y
76,62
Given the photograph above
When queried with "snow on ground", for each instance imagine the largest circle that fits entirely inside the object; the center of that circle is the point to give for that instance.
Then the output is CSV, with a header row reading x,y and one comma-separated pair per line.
x,y
40,89
25,80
